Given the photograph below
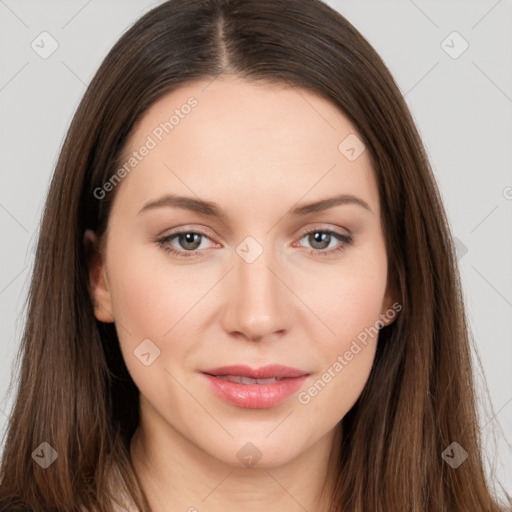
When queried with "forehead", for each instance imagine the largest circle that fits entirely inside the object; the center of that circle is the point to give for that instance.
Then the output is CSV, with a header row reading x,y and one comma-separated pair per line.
x,y
230,140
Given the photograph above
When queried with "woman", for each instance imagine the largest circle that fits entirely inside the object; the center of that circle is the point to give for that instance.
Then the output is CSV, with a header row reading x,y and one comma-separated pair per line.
x,y
245,294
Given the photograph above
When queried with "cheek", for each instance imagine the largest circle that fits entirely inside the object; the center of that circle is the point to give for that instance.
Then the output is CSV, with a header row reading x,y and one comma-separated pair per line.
x,y
154,300
346,356
146,306
137,301
348,301
149,295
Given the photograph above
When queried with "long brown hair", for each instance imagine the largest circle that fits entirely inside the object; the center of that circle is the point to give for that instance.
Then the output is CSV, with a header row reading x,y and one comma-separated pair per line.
x,y
75,392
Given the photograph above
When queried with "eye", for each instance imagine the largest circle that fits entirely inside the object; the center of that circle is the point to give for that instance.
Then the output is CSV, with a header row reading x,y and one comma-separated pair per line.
x,y
320,240
189,241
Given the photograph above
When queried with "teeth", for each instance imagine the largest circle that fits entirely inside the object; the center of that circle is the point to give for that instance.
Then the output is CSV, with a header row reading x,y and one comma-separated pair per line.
x,y
247,380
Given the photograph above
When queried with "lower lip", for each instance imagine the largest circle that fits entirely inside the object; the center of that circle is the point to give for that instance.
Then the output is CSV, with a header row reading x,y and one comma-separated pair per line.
x,y
255,396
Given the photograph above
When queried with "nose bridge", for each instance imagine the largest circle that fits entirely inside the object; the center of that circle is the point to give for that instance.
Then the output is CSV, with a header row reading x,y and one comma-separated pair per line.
x,y
255,283
257,301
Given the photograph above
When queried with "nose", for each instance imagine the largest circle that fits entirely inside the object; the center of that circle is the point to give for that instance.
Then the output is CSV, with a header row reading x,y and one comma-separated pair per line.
x,y
258,305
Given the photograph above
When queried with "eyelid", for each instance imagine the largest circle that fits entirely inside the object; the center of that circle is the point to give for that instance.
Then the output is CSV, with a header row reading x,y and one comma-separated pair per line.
x,y
186,229
324,227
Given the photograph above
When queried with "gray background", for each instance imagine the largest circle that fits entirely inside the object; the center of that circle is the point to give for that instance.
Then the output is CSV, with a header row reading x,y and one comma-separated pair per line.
x,y
462,107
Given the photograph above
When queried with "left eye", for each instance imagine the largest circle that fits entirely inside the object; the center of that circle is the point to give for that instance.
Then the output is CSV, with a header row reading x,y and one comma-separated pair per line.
x,y
320,241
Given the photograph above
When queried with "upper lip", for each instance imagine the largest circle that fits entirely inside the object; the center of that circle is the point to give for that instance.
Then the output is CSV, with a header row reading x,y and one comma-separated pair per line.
x,y
264,372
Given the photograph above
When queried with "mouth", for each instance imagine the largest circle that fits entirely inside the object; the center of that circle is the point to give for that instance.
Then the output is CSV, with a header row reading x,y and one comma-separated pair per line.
x,y
271,371
248,380
254,388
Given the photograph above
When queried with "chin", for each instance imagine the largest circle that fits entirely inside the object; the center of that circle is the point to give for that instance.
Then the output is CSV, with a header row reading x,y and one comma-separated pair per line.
x,y
259,453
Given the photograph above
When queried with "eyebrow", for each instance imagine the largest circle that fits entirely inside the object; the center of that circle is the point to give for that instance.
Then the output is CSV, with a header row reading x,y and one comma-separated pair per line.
x,y
213,209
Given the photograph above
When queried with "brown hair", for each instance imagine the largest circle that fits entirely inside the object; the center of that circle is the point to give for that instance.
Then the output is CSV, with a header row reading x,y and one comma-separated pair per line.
x,y
75,391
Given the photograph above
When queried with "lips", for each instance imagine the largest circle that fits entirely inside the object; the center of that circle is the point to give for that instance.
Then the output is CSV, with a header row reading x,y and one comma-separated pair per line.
x,y
248,380
266,372
254,388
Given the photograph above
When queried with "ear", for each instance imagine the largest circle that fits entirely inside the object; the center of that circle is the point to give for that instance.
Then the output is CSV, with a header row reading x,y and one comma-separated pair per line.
x,y
391,306
98,284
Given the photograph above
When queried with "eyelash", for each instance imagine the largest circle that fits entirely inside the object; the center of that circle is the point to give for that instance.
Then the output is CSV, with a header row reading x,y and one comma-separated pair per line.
x,y
345,239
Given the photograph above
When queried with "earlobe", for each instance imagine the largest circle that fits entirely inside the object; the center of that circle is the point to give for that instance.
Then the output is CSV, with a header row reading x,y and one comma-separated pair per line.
x,y
390,307
98,284
389,313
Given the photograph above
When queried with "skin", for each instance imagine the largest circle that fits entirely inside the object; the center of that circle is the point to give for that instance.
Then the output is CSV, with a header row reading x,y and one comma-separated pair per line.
x,y
257,150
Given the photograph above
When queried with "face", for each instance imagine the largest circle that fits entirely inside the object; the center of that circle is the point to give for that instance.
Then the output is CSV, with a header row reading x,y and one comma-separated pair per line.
x,y
255,279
